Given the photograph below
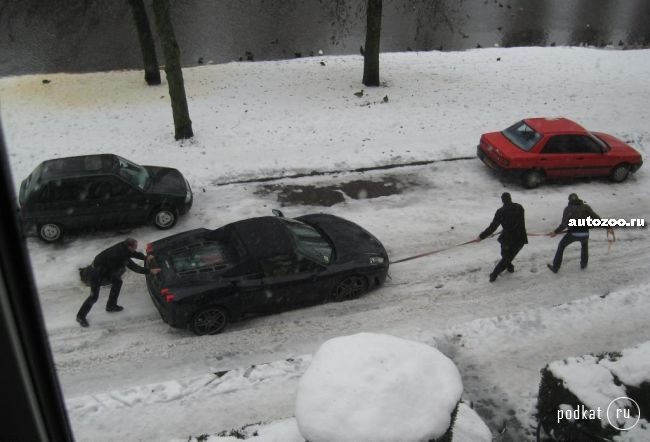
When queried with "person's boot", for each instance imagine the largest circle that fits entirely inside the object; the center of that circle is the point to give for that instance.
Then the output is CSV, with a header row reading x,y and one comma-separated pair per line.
x,y
111,304
493,277
551,268
511,268
82,321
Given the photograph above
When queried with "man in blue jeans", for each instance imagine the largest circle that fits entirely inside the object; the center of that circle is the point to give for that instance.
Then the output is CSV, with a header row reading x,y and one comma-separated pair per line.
x,y
577,230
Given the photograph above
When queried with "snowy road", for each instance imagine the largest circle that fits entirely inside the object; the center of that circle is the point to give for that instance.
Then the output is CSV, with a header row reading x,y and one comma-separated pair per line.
x,y
431,299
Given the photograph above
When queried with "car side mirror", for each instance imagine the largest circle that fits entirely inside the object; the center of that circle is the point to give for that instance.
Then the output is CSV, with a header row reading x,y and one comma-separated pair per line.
x,y
278,213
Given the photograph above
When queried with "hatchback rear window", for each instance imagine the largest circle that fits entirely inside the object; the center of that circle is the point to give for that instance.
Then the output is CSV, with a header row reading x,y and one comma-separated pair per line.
x,y
201,257
522,135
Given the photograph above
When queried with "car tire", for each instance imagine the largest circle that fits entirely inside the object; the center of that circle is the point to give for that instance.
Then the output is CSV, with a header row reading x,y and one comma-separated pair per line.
x,y
620,173
164,218
350,287
50,232
533,178
209,321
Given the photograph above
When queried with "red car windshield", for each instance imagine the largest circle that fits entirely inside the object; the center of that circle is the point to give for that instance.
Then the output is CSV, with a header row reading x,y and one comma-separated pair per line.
x,y
522,135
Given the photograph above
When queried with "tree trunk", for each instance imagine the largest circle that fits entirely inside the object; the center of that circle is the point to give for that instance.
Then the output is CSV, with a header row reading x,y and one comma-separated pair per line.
x,y
373,35
151,68
182,122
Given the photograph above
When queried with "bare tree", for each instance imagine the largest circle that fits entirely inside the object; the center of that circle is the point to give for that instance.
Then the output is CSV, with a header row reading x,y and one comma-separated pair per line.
x,y
173,72
151,67
373,35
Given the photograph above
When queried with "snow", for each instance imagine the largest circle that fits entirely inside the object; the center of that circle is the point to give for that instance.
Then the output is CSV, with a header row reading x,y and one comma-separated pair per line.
x,y
131,377
373,387
631,368
593,384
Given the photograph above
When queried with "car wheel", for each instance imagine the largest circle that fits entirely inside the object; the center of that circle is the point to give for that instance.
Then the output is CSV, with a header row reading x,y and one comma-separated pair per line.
x,y
533,178
50,232
164,218
350,288
620,173
209,321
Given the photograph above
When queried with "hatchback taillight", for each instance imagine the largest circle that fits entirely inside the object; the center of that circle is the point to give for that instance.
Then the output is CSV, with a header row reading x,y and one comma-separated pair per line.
x,y
167,295
149,248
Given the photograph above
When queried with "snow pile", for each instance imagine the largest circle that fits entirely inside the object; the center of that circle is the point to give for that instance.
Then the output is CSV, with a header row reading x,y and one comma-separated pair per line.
x,y
602,396
633,367
590,382
372,387
284,430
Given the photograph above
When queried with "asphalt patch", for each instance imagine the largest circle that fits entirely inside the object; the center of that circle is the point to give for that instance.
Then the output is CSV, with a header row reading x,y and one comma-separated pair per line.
x,y
327,196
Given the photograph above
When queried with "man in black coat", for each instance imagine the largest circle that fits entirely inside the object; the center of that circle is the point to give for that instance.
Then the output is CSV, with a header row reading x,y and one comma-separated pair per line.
x,y
574,220
510,217
110,265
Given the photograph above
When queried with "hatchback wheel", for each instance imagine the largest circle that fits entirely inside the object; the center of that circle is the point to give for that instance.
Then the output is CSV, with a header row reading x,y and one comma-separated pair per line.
x,y
532,179
164,218
350,288
620,173
209,321
50,232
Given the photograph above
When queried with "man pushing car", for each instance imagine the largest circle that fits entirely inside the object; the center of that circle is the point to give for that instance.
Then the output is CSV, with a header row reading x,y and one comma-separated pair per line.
x,y
109,266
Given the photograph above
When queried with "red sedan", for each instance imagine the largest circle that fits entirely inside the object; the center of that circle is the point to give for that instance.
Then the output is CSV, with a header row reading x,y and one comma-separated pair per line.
x,y
535,149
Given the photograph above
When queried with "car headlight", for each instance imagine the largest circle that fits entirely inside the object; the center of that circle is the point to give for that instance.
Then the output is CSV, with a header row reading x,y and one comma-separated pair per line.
x,y
376,260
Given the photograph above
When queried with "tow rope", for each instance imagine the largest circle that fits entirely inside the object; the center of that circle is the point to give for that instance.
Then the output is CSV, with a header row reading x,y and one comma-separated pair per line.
x,y
612,240
432,252
444,249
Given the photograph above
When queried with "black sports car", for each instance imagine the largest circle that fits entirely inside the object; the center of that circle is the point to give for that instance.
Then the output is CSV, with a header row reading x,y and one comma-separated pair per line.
x,y
91,191
260,265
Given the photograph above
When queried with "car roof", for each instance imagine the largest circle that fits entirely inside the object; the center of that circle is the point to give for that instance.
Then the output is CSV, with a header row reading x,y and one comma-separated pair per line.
x,y
85,165
554,125
265,237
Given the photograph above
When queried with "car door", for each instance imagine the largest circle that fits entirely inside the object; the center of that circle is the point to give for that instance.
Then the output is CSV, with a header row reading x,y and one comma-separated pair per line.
x,y
291,281
129,203
99,196
558,157
63,202
590,156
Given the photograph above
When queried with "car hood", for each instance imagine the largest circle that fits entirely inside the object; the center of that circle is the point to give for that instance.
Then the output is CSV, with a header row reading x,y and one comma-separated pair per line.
x,y
350,240
618,147
166,180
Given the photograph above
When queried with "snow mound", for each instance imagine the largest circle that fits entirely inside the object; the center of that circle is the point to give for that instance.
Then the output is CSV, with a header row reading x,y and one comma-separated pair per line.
x,y
372,387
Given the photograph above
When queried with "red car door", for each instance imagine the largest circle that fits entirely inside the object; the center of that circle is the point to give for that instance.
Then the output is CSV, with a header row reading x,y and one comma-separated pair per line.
x,y
557,157
591,156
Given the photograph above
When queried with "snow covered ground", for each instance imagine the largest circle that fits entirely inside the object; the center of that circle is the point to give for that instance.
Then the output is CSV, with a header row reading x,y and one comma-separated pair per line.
x,y
131,377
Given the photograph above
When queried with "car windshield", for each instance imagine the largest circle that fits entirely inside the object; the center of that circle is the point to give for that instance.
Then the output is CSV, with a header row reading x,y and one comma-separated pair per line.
x,y
133,173
206,255
522,135
310,243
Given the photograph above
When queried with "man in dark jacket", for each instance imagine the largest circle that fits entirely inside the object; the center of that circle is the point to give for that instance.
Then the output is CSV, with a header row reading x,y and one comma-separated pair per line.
x,y
574,220
110,265
510,217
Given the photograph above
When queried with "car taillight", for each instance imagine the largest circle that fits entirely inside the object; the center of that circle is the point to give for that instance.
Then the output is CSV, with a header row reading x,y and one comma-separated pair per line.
x,y
149,248
169,296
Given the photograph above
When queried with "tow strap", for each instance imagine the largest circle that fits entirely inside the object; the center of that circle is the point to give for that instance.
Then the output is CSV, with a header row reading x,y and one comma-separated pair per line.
x,y
611,241
432,252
